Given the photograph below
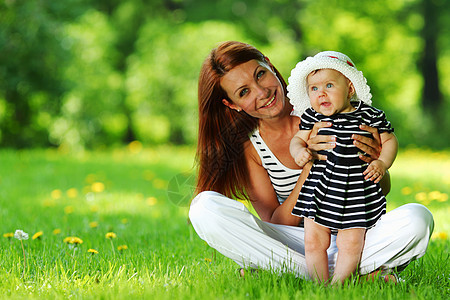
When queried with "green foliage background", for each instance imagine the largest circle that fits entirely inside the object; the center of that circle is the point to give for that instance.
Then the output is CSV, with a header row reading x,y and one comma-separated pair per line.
x,y
90,74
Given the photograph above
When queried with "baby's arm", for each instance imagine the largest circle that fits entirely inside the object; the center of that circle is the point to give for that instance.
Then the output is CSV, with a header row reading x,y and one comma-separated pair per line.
x,y
299,148
377,168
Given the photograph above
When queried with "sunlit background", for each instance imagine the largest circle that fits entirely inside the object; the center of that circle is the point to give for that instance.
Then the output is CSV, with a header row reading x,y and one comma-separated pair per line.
x,y
84,74
98,130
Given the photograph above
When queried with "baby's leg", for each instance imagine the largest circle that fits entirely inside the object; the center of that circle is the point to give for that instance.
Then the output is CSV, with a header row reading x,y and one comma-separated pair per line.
x,y
350,243
317,241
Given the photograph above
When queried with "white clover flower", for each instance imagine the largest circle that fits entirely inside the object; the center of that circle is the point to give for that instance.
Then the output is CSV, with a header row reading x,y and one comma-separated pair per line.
x,y
20,235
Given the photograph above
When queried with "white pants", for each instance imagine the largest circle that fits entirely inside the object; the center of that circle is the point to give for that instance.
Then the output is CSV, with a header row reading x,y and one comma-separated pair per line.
x,y
399,237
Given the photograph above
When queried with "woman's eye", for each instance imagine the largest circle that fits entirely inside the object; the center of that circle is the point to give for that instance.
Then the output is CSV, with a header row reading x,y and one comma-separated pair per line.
x,y
260,74
243,92
329,85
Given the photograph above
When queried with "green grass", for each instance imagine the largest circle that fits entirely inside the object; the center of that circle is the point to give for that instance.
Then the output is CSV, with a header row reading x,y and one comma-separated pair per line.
x,y
137,195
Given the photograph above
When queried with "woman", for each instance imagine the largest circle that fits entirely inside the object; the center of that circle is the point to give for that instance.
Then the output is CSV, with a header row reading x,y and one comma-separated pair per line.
x,y
245,127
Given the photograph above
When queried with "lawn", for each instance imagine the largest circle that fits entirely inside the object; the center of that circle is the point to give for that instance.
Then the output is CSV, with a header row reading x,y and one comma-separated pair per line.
x,y
113,224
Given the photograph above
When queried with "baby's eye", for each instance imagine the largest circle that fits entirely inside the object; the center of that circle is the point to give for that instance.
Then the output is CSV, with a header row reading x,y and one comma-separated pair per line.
x,y
260,74
329,85
314,88
243,92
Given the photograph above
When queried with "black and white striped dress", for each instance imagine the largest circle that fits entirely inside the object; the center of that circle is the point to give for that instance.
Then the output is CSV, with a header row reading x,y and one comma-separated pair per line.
x,y
283,178
335,194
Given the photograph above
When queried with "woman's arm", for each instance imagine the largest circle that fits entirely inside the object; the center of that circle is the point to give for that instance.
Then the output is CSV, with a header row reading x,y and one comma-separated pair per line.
x,y
263,196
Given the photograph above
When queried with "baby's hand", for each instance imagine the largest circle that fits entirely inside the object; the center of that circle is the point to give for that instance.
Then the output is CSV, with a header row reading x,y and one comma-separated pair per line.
x,y
375,171
303,156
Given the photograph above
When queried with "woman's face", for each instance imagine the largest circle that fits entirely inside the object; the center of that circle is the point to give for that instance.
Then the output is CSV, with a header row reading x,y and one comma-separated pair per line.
x,y
254,88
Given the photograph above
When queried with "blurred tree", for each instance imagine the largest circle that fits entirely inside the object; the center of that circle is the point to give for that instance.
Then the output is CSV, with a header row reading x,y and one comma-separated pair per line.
x,y
32,58
428,63
87,73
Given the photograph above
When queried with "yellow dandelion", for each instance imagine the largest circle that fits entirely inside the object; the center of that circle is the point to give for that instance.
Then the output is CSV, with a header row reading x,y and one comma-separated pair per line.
x,y
159,183
110,235
148,175
151,201
135,147
8,235
68,210
86,190
122,247
73,240
93,224
94,208
406,190
56,231
124,221
37,235
98,187
76,240
90,178
48,203
93,251
72,193
56,194
434,195
439,235
421,197
443,197
208,260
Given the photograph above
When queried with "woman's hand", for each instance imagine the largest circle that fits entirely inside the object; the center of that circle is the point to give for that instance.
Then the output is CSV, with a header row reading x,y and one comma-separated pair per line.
x,y
372,147
320,142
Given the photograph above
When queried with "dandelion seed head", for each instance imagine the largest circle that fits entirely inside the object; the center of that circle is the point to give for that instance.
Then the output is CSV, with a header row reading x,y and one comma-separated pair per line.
x,y
20,235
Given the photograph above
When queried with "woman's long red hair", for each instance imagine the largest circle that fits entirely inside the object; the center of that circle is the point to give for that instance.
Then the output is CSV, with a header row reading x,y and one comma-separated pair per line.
x,y
223,131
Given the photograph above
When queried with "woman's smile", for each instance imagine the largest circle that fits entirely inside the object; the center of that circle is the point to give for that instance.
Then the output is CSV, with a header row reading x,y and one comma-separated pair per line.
x,y
270,103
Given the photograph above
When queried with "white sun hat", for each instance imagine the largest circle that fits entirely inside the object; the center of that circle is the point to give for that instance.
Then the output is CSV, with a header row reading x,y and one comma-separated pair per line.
x,y
297,88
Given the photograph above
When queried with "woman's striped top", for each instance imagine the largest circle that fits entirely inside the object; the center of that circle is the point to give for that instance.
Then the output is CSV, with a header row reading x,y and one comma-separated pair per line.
x,y
283,178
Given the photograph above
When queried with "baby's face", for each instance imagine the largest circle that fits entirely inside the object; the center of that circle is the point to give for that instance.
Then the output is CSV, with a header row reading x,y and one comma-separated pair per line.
x,y
329,92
